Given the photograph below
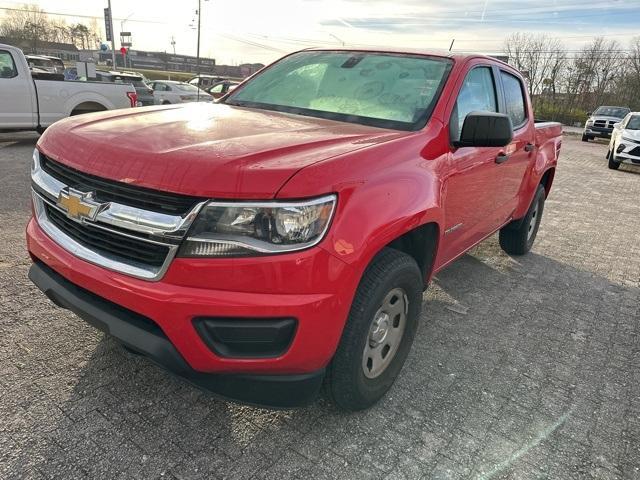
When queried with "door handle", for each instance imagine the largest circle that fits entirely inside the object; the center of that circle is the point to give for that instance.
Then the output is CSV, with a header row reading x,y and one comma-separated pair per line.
x,y
502,157
529,147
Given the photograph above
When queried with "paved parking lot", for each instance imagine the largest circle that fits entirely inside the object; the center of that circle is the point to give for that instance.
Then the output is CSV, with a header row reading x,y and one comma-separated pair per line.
x,y
522,368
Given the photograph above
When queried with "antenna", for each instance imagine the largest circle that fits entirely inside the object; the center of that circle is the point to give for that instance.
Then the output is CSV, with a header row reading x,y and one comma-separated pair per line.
x,y
451,46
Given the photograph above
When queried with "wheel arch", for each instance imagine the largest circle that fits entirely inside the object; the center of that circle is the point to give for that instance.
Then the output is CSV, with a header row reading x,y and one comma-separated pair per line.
x,y
87,107
421,244
547,180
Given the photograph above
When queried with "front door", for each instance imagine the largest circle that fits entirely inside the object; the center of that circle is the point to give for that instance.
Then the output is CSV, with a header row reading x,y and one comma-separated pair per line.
x,y
474,176
16,99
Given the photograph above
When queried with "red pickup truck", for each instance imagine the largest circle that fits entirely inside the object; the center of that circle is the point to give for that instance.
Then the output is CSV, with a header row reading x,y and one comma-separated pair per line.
x,y
284,236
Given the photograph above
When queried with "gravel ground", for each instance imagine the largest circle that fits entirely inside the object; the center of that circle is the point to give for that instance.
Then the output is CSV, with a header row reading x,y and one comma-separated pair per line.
x,y
523,367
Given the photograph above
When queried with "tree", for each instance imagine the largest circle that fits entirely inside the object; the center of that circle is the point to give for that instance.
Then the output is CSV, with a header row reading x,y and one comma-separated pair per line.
x,y
32,24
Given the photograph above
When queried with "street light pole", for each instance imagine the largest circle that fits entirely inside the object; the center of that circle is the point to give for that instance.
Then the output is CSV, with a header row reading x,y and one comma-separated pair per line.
x,y
198,50
113,40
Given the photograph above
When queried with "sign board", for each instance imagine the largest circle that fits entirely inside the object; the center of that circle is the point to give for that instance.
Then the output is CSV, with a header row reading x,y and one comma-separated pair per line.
x,y
86,69
125,39
107,24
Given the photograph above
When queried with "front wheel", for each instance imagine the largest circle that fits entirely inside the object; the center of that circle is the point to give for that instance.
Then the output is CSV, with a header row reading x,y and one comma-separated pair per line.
x,y
517,237
613,164
379,332
585,138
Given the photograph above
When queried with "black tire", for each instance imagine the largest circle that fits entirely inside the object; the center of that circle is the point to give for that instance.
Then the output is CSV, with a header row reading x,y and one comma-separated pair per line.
x,y
613,164
347,383
585,138
517,237
166,102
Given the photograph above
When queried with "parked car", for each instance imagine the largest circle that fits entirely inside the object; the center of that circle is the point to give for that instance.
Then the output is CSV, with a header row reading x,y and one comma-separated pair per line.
x,y
58,64
220,89
42,63
169,91
205,81
28,102
144,91
601,121
624,146
285,236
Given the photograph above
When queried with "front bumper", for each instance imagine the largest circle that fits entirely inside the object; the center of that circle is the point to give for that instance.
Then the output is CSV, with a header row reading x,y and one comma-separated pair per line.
x,y
311,286
145,337
598,132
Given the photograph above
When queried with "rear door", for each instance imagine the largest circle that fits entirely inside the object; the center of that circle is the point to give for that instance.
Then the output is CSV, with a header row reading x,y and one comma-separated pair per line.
x,y
17,103
521,150
473,174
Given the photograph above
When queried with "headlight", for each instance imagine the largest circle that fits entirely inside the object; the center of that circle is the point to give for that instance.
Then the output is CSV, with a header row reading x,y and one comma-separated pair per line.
x,y
231,229
589,122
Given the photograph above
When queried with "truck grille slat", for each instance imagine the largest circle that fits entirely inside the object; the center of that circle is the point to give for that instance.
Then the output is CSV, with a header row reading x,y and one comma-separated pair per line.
x,y
119,192
98,239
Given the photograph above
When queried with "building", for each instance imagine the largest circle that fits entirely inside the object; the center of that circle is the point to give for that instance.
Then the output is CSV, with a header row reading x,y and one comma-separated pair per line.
x,y
142,59
66,51
160,61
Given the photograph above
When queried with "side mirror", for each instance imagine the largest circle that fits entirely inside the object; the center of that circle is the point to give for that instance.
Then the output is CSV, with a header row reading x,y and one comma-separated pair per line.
x,y
485,129
617,125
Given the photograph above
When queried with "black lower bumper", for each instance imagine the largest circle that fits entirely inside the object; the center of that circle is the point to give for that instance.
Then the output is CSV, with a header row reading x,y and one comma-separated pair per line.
x,y
145,336
598,132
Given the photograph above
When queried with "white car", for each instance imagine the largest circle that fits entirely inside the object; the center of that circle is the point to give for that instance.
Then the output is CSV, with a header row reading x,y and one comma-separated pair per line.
x,y
30,103
624,146
166,92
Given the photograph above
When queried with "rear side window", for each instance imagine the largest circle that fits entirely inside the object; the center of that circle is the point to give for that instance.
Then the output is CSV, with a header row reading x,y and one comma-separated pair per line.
x,y
478,93
7,66
514,98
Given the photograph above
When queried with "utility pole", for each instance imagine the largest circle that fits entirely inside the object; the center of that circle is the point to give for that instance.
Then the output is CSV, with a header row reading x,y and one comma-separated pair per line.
x,y
198,50
113,41
173,44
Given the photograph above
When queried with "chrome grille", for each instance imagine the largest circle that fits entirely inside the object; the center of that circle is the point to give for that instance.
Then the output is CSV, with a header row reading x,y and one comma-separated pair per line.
x,y
121,237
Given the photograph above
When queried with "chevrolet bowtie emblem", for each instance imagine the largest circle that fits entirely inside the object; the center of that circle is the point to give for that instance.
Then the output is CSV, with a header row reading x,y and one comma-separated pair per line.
x,y
78,205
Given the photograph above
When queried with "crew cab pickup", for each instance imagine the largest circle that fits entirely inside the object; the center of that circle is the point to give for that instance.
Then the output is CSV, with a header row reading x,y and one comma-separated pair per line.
x,y
29,103
285,235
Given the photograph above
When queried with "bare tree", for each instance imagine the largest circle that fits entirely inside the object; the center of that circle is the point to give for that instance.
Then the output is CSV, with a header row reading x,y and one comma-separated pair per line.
x,y
32,24
539,57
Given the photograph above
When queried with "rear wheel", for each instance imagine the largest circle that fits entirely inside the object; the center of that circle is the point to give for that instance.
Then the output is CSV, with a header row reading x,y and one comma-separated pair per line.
x,y
517,237
379,332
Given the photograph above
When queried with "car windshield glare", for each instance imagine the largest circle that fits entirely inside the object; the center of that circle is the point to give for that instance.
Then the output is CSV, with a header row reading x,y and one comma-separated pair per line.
x,y
633,123
617,112
379,89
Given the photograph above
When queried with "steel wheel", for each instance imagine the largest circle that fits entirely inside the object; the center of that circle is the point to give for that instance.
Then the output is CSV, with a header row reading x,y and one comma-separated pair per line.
x,y
385,333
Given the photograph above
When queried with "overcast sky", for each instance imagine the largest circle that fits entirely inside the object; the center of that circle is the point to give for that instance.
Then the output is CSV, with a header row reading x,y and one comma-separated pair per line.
x,y
236,31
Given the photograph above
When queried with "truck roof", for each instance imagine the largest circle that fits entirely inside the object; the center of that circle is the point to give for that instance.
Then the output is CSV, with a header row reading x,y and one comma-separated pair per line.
x,y
432,52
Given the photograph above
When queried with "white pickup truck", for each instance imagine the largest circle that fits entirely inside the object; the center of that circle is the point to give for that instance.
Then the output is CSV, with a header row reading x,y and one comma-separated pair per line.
x,y
27,103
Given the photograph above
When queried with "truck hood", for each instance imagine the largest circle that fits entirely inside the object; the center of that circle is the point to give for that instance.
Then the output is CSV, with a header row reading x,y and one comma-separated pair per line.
x,y
207,150
605,117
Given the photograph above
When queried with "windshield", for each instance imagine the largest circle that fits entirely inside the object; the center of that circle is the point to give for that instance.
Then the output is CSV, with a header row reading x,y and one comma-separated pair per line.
x,y
386,90
40,62
633,123
186,87
618,112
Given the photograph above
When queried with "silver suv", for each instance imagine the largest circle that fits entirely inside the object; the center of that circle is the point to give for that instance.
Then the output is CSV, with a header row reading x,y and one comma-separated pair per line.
x,y
601,122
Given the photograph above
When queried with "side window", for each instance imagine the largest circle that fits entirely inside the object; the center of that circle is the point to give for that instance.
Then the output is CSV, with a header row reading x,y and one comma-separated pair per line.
x,y
478,93
217,88
7,66
514,98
